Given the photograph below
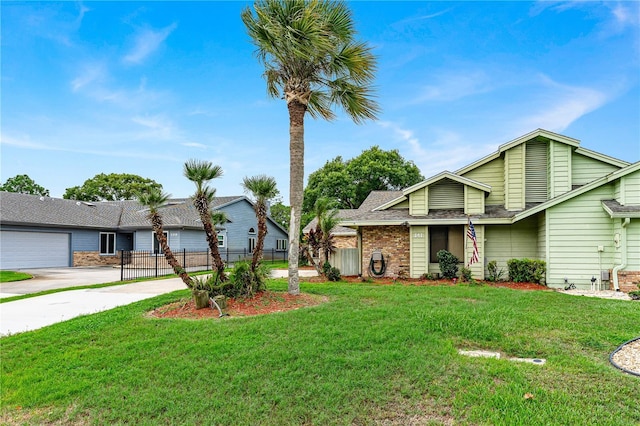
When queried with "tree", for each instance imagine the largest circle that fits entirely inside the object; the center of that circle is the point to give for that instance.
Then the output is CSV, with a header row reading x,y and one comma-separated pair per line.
x,y
200,173
280,213
314,63
320,238
154,199
23,184
262,188
111,187
348,183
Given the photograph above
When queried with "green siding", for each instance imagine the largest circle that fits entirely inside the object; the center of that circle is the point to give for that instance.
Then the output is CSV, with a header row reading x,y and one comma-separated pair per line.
x,y
418,202
514,178
576,228
633,245
474,200
477,269
403,205
419,251
585,169
517,241
630,189
542,236
559,168
491,174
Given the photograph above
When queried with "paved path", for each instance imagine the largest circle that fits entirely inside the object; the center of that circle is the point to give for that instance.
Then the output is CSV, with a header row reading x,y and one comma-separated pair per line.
x,y
36,312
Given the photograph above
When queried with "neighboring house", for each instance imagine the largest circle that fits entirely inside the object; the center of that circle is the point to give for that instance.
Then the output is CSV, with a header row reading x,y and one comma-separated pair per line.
x,y
37,232
540,196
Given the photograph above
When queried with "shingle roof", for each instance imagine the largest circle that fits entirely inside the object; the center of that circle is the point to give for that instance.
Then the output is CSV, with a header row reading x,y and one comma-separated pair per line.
x,y
26,209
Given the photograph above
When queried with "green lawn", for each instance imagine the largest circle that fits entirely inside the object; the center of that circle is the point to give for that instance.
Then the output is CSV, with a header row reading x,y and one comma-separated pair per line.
x,y
9,276
371,355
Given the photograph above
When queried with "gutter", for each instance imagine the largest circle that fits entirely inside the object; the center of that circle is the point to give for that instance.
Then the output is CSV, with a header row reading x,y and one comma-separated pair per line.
x,y
623,260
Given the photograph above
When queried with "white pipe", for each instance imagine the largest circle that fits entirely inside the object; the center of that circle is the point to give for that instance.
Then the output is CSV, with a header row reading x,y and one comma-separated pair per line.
x,y
623,254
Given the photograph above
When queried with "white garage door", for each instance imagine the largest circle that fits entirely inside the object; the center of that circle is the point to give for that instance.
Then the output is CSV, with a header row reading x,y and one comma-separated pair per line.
x,y
23,250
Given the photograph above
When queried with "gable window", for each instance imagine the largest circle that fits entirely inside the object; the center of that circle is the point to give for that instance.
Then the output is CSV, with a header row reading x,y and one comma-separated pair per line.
x,y
107,243
450,238
220,240
156,244
252,231
281,245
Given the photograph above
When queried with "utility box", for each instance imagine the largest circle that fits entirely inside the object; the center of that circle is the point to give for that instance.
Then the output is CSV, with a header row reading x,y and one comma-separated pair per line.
x,y
604,276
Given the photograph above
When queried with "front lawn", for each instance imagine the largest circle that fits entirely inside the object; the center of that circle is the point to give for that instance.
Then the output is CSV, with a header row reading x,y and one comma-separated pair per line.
x,y
373,354
9,276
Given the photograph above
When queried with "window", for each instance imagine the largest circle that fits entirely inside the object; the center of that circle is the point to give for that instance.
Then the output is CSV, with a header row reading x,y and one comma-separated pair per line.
x,y
252,244
281,245
252,231
220,240
450,238
156,243
107,243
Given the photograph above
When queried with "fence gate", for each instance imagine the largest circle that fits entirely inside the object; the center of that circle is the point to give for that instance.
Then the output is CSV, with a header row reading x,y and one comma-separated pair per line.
x,y
346,259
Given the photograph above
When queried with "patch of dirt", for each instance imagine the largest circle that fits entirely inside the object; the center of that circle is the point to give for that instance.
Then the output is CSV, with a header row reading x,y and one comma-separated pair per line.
x,y
265,302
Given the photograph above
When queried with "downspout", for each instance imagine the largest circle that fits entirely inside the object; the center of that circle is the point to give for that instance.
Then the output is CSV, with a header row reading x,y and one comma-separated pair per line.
x,y
623,254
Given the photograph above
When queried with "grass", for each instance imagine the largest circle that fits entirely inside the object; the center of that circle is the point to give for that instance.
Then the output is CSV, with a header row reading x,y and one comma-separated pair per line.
x,y
371,355
10,276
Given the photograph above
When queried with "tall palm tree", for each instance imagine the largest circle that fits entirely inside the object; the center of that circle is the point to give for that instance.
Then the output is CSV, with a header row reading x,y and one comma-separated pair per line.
x,y
262,188
153,199
200,173
313,61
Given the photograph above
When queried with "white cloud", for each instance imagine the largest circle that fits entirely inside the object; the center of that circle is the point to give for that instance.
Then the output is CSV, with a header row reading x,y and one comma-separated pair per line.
x,y
451,86
560,105
91,73
194,145
146,42
157,127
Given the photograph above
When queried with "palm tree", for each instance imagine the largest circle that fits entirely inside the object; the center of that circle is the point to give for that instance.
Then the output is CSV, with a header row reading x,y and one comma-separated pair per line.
x,y
327,222
200,173
313,61
153,199
263,188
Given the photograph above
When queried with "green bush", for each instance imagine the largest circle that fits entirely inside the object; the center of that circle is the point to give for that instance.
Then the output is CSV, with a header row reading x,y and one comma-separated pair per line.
x,y
326,268
465,274
494,273
333,274
448,264
527,270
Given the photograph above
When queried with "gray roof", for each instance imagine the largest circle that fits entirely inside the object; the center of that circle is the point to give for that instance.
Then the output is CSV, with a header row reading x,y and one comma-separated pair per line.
x,y
23,209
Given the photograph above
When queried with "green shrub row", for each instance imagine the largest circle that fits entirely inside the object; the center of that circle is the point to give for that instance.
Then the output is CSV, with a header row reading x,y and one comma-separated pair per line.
x,y
527,270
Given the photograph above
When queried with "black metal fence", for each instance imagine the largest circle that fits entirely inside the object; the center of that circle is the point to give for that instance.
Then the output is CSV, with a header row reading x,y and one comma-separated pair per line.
x,y
149,264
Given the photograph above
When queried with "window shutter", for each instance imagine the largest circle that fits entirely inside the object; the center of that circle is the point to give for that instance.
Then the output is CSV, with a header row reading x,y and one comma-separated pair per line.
x,y
446,194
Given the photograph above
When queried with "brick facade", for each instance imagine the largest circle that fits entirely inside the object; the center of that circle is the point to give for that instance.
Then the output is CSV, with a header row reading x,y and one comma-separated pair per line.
x,y
628,281
393,242
344,241
93,258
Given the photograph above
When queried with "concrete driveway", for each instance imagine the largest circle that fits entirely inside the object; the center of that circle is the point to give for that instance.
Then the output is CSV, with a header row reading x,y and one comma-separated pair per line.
x,y
53,278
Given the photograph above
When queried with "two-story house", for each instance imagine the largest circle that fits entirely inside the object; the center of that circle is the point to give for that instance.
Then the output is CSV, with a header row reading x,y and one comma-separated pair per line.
x,y
540,196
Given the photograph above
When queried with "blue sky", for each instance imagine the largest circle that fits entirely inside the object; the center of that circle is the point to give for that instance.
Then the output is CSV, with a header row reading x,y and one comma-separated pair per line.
x,y
141,87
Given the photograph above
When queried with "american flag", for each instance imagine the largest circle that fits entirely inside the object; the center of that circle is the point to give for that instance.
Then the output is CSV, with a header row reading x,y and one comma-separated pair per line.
x,y
471,233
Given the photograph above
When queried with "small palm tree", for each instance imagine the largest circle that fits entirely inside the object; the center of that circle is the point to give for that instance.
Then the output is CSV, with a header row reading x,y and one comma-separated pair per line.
x,y
153,199
314,63
200,173
262,188
327,222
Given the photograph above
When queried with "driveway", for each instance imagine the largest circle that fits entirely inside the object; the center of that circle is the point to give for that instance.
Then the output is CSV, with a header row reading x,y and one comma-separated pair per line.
x,y
53,278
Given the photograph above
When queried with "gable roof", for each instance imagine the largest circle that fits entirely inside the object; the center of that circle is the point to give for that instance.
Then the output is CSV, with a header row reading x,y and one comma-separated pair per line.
x,y
33,210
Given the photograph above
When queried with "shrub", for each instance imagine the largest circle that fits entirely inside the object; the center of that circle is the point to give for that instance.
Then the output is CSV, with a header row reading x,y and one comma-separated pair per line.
x,y
494,274
448,264
326,268
333,274
526,270
428,276
245,282
465,274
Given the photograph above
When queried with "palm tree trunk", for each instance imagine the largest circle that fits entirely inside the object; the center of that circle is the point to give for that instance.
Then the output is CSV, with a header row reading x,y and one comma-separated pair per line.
x,y
156,223
202,205
296,188
261,213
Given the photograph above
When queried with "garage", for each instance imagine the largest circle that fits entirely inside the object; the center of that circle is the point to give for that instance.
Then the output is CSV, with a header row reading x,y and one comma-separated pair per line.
x,y
24,250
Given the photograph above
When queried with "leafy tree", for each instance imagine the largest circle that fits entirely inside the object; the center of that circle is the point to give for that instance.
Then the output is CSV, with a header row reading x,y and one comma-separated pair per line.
x,y
348,183
23,184
262,188
154,199
111,187
200,173
314,63
280,213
